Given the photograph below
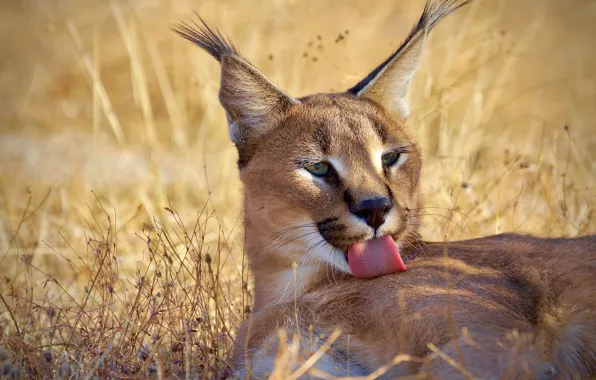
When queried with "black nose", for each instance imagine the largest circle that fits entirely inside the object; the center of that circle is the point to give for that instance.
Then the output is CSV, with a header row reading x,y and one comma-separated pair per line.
x,y
372,210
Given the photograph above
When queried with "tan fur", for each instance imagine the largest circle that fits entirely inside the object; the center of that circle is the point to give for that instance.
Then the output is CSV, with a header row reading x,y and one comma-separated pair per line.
x,y
505,306
543,289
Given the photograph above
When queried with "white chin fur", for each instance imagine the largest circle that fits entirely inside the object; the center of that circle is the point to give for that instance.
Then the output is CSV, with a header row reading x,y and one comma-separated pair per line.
x,y
333,257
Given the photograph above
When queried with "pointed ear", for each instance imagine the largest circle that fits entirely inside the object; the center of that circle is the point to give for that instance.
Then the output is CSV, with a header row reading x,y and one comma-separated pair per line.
x,y
388,88
388,83
253,104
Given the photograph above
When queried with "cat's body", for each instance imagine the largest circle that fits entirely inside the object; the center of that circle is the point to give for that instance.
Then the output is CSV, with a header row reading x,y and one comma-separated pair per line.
x,y
332,199
543,289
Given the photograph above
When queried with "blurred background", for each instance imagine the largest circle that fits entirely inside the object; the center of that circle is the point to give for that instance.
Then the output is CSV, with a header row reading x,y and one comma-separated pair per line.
x,y
107,117
99,99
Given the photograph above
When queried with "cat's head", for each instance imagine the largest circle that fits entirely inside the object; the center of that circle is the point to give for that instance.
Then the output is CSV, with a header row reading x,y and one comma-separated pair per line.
x,y
327,177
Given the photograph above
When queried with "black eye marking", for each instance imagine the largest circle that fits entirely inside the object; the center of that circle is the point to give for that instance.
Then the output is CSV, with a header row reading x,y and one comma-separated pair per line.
x,y
389,192
348,197
330,225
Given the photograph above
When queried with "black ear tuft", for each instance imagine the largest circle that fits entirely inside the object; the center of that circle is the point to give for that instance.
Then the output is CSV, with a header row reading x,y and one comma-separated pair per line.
x,y
434,11
253,103
209,39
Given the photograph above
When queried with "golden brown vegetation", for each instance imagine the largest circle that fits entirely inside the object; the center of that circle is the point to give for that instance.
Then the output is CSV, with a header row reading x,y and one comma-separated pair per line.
x,y
120,220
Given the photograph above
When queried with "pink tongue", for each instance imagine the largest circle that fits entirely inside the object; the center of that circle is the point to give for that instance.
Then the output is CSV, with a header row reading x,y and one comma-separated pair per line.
x,y
375,257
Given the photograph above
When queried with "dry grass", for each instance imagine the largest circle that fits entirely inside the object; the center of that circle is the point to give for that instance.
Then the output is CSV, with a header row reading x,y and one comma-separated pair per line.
x,y
110,122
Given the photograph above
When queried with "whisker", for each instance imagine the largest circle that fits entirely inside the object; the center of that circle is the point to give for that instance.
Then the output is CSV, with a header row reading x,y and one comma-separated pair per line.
x,y
333,266
464,220
314,246
422,244
290,229
440,208
445,217
282,244
306,257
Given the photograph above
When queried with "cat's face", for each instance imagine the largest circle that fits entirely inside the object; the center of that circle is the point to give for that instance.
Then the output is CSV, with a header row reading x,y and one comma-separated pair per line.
x,y
336,170
328,178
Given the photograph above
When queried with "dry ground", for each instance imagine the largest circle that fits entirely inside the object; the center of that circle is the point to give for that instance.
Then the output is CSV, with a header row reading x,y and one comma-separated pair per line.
x,y
120,208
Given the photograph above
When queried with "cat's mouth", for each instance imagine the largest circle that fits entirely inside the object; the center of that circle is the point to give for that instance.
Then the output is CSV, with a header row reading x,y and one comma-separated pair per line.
x,y
375,257
366,257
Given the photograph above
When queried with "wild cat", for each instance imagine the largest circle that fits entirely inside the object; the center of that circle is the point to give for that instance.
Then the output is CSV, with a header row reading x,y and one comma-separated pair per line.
x,y
331,200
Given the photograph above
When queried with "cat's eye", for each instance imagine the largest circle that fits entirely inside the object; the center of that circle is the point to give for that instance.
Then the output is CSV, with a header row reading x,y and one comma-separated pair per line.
x,y
319,169
390,158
